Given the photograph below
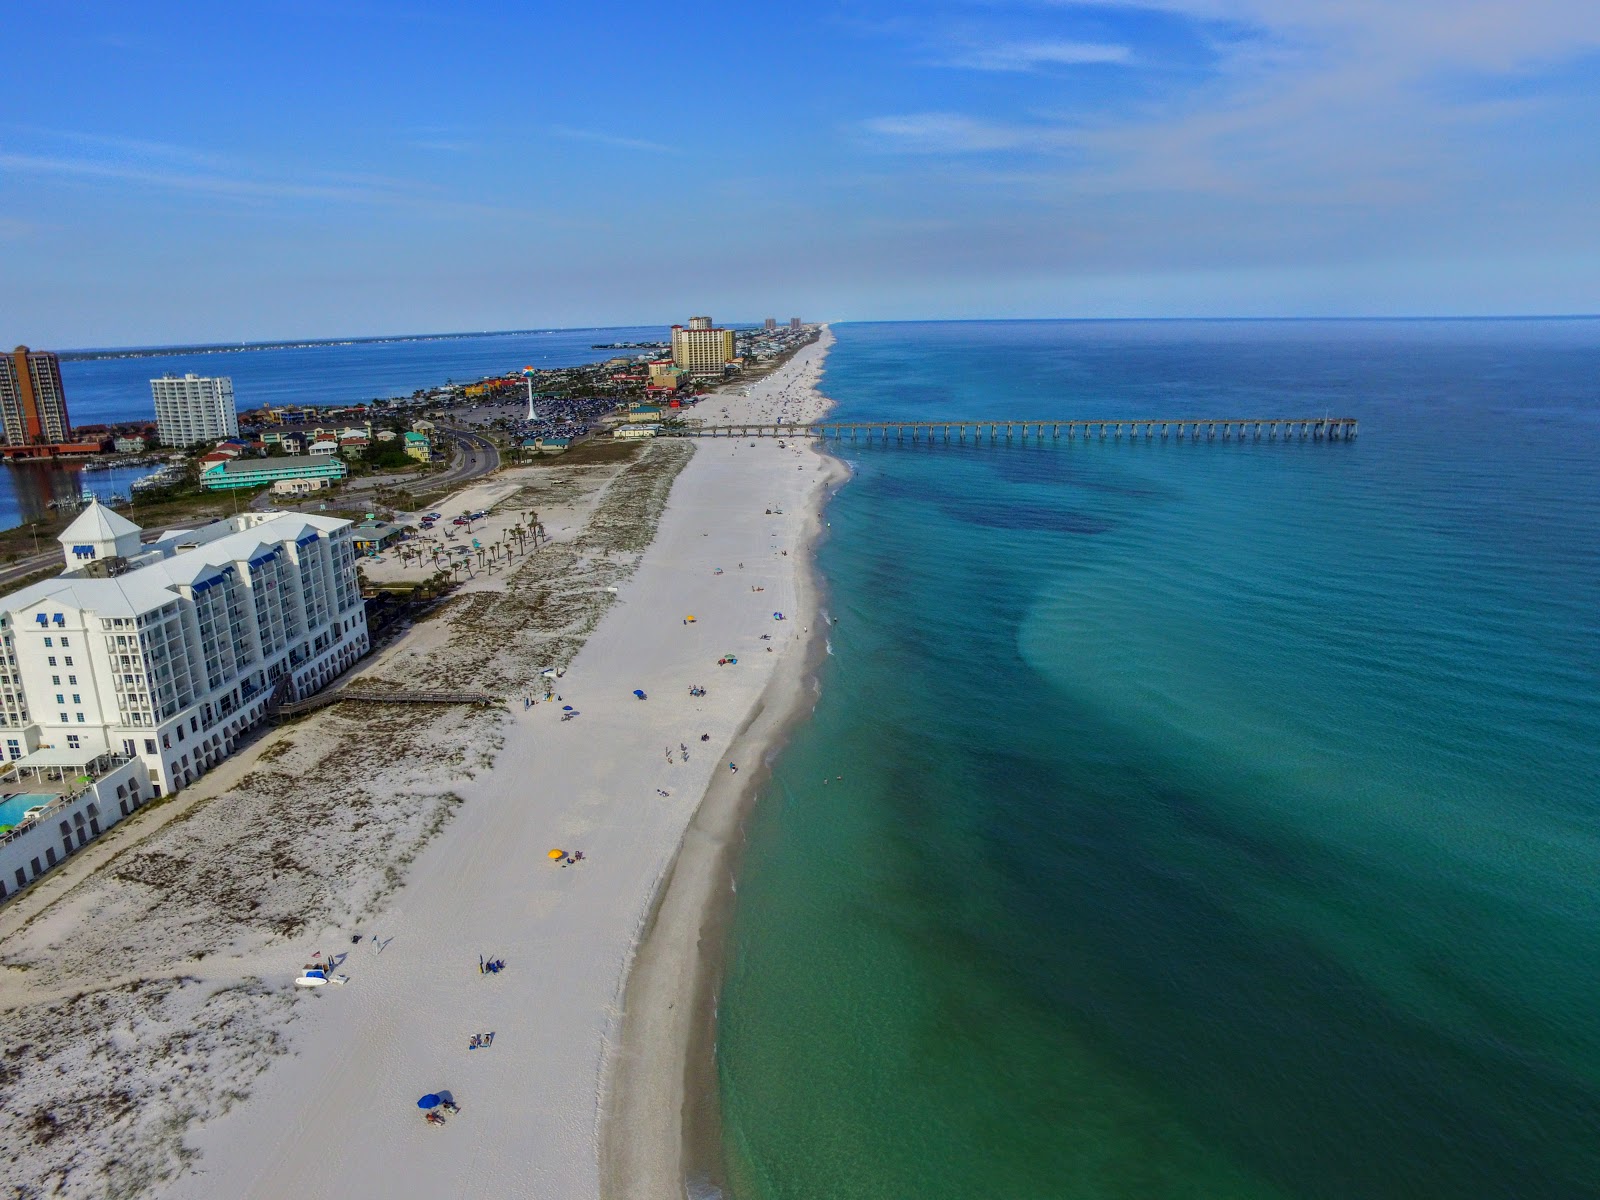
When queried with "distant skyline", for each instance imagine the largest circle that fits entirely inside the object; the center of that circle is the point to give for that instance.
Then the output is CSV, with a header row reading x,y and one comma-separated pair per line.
x,y
173,176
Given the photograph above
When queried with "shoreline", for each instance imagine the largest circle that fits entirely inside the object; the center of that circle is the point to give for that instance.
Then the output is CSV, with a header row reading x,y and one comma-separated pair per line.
x,y
666,1046
534,1112
420,845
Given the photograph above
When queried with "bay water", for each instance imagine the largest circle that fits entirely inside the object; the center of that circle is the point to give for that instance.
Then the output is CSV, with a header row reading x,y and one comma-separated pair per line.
x,y
1178,820
116,387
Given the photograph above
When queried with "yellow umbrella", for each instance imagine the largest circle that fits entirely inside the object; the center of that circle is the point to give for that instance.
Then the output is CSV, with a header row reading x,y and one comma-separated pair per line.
x,y
690,617
557,855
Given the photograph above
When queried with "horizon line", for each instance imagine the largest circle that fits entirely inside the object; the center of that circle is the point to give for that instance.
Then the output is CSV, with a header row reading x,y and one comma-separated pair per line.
x,y
84,352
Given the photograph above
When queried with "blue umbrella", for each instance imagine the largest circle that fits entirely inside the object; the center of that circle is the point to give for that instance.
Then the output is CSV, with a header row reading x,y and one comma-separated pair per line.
x,y
638,693
566,708
429,1101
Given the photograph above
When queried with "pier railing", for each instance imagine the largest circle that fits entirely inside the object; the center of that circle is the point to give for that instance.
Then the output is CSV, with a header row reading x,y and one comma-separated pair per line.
x,y
1319,429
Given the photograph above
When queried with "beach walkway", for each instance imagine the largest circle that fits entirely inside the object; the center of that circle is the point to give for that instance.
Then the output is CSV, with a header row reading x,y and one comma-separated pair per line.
x,y
619,782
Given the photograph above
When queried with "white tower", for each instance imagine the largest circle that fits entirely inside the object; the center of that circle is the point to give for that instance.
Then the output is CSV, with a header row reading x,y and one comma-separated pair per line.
x,y
98,534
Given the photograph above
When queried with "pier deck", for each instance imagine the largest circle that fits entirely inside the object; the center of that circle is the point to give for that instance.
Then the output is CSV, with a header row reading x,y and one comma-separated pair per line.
x,y
1333,429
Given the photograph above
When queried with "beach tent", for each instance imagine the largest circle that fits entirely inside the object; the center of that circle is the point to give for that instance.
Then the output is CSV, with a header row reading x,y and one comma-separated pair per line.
x,y
556,855
429,1101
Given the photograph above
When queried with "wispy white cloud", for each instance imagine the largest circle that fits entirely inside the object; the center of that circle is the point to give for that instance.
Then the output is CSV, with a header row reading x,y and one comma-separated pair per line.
x,y
953,133
181,170
607,139
1033,55
205,183
1365,102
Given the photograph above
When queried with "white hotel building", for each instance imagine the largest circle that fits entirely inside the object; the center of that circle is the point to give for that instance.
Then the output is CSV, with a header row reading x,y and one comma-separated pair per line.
x,y
194,408
168,652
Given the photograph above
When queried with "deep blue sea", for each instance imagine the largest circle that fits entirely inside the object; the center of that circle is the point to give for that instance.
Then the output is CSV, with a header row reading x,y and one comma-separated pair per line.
x,y
103,390
1214,820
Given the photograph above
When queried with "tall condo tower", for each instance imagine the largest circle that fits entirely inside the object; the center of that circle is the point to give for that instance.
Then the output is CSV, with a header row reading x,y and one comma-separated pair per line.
x,y
771,323
194,409
794,322
702,349
33,403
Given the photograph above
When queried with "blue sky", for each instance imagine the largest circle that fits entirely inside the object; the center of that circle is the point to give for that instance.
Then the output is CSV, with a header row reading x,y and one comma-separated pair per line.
x,y
169,173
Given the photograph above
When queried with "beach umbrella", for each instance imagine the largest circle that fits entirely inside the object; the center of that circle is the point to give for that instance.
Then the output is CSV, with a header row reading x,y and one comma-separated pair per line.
x,y
429,1101
566,708
556,855
638,693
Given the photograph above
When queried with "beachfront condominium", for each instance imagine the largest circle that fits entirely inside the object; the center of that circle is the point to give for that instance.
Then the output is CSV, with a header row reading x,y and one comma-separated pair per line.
x,y
702,349
171,651
770,324
194,409
33,403
794,322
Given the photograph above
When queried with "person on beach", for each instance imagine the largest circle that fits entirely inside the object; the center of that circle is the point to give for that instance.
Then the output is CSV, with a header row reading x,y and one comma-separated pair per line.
x,y
734,767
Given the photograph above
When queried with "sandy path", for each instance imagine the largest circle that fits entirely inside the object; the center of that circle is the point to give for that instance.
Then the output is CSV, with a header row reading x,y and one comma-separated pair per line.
x,y
338,1116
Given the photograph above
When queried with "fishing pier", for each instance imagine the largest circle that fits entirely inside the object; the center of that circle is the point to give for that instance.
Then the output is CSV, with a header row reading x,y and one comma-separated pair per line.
x,y
1271,429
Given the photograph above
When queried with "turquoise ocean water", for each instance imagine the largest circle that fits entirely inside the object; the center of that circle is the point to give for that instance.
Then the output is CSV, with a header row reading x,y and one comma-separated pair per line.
x,y
1215,821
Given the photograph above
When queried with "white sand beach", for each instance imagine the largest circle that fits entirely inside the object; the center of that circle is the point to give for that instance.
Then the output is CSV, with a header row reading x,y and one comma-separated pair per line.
x,y
314,1092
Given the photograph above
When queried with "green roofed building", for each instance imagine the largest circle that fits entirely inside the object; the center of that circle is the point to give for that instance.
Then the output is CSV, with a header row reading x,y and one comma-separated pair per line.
x,y
257,472
370,537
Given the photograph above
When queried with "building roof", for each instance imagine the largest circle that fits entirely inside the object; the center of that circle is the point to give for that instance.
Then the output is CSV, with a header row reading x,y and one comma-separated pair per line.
x,y
376,531
185,556
97,523
258,466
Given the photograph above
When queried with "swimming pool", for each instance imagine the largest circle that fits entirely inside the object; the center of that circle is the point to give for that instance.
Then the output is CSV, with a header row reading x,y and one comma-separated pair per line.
x,y
12,808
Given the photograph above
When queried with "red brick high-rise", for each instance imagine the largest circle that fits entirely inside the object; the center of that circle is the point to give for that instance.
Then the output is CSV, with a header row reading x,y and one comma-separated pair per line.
x,y
33,402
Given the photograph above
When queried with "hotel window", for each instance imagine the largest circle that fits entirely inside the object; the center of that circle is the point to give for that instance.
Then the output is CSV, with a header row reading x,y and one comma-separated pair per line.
x,y
52,660
77,699
60,699
56,679
72,741
69,660
49,642
63,718
73,680
80,718
63,643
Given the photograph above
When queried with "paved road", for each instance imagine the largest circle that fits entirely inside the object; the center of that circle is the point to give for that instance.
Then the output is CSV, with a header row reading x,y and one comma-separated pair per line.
x,y
472,455
32,563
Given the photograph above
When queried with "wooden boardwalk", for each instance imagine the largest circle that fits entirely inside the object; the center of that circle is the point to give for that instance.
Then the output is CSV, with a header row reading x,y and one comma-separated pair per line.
x,y
322,699
1319,429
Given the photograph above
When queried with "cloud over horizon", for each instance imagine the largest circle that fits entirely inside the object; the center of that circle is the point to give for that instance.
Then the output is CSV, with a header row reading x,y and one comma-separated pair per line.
x,y
978,159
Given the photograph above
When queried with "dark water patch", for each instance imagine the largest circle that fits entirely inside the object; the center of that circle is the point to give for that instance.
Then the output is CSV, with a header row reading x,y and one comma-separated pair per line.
x,y
1241,849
